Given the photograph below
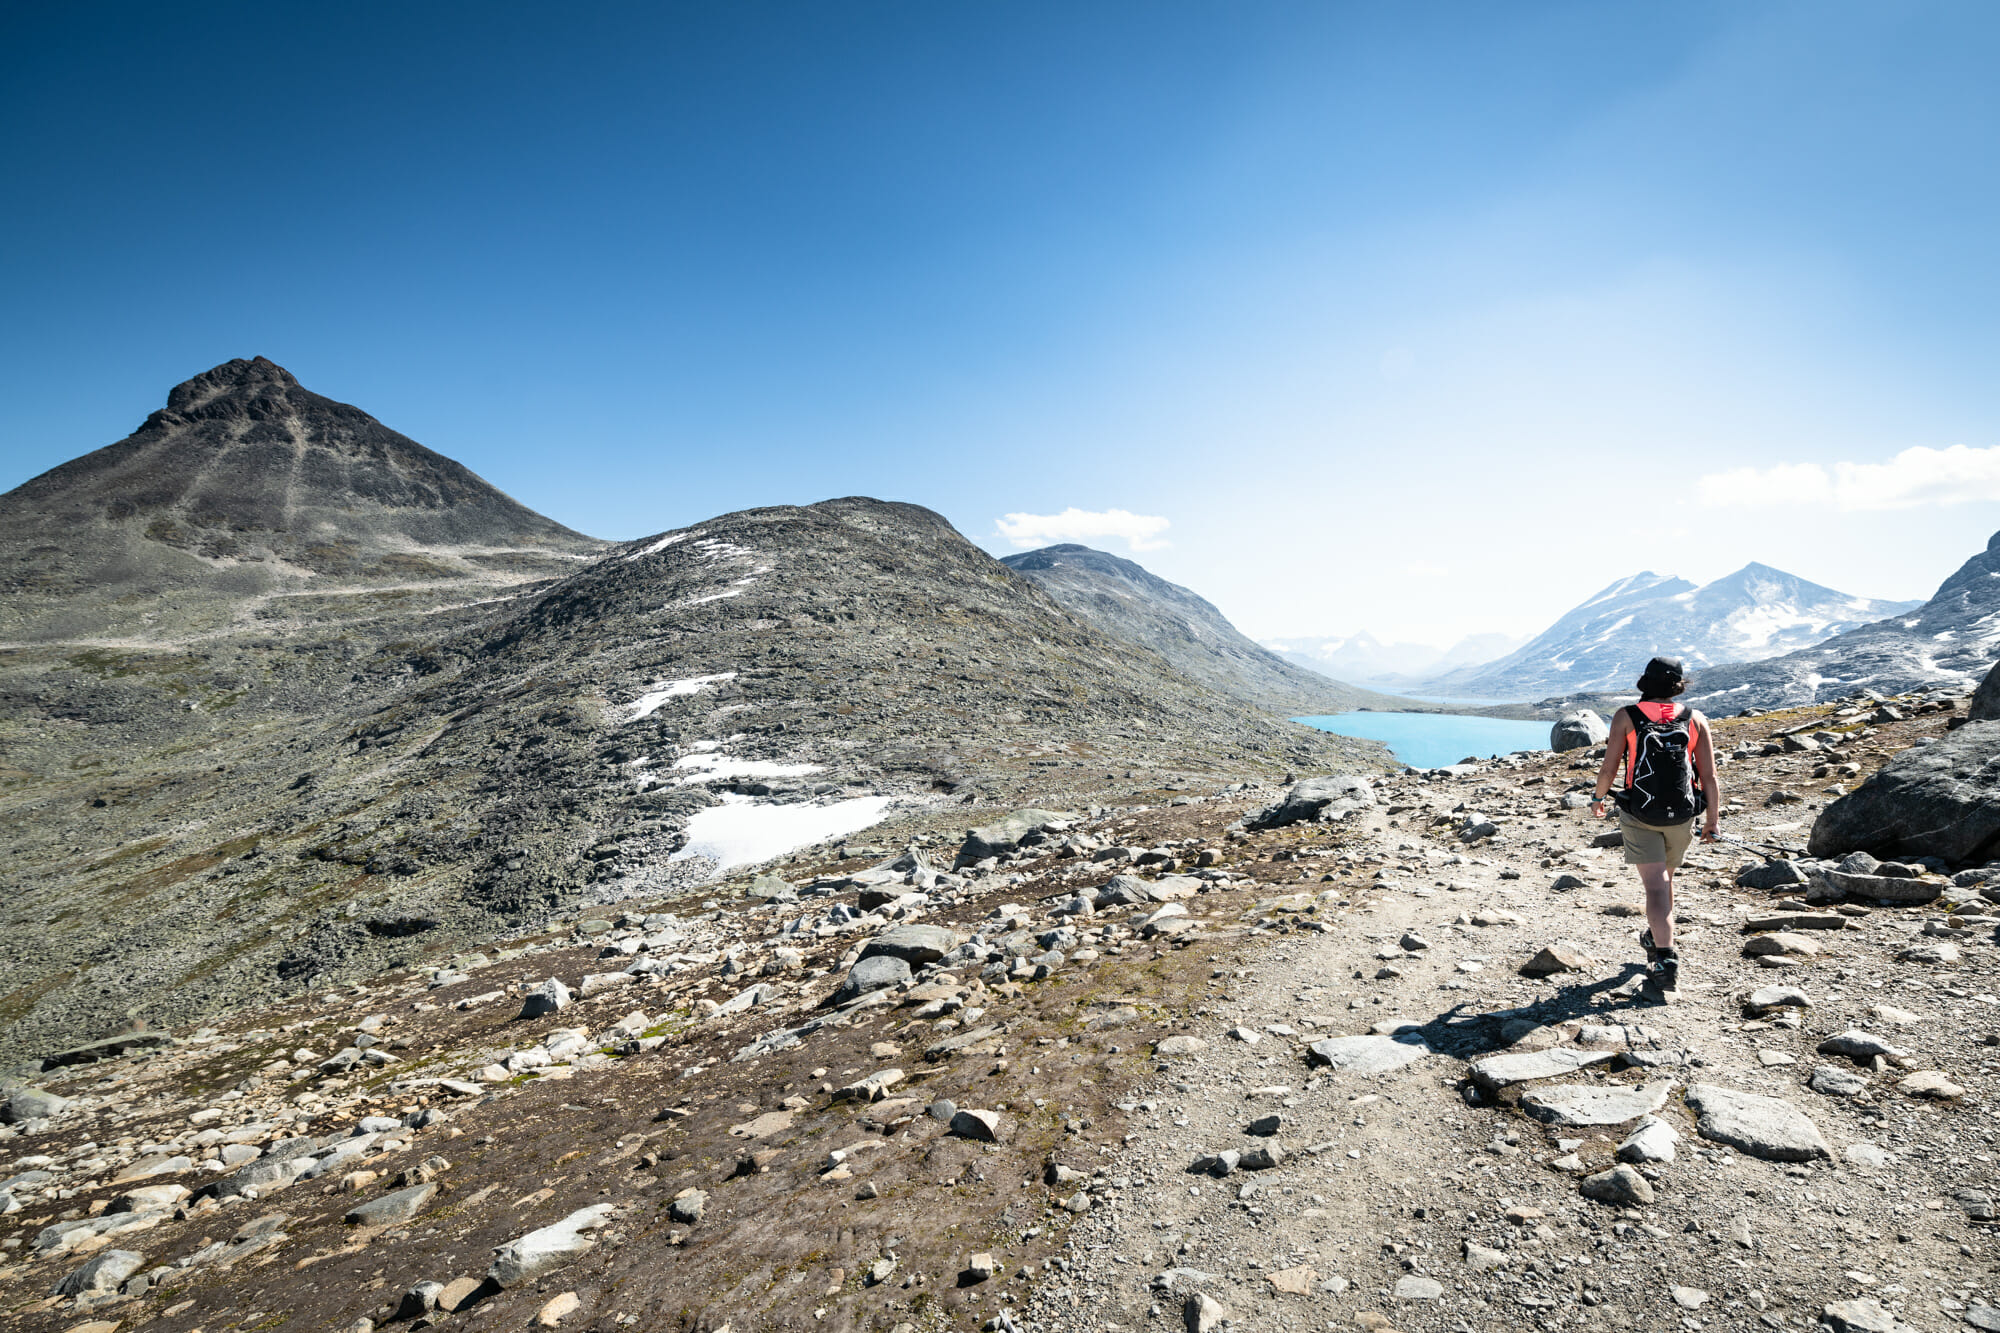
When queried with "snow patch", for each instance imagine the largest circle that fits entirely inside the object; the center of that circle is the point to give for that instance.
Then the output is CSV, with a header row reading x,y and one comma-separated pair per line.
x,y
664,542
649,702
742,831
711,767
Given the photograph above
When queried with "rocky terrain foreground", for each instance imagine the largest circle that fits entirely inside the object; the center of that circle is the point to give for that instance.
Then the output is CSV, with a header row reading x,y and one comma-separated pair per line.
x,y
1337,1055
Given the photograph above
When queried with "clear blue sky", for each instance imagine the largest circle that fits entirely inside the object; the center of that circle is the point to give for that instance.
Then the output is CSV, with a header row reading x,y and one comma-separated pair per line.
x,y
1422,318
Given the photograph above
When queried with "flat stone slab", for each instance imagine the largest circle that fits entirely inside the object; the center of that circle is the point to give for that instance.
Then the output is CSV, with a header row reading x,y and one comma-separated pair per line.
x,y
915,944
542,1252
1796,921
1503,1071
1881,888
965,1040
398,1207
1766,1127
1366,1054
1595,1106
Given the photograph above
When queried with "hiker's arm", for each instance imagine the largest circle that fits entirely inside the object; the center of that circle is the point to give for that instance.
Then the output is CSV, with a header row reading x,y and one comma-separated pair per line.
x,y
1704,766
1614,751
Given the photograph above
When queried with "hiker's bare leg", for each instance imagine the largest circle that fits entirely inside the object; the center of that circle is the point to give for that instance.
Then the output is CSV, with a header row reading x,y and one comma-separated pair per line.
x,y
1659,882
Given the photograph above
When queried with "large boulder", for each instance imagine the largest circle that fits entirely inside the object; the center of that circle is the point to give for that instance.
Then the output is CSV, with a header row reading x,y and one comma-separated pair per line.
x,y
916,944
542,1252
20,1105
1004,834
1325,799
871,974
105,1271
1578,731
1986,699
1939,800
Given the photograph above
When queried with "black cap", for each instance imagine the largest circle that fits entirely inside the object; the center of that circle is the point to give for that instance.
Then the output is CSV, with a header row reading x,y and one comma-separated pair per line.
x,y
1661,674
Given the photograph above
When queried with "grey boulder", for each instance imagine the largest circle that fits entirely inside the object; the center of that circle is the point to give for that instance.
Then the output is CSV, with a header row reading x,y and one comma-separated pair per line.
x,y
1621,1184
916,945
400,1206
24,1104
749,998
1578,731
548,998
1003,835
1767,875
1941,800
542,1252
872,974
1323,799
106,1271
771,889
1986,699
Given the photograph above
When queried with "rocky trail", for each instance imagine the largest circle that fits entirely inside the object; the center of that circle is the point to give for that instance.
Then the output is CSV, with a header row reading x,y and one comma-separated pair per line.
x,y
1348,1056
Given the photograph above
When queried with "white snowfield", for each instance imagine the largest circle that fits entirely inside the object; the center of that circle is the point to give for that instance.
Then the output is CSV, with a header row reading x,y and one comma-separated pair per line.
x,y
742,831
649,702
710,767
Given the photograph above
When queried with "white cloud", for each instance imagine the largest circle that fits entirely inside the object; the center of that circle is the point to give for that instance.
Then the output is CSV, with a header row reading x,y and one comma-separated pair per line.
x,y
1426,569
1141,532
1914,477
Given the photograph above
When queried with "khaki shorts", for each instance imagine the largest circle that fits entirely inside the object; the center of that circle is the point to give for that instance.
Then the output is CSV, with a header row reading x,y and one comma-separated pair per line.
x,y
1649,844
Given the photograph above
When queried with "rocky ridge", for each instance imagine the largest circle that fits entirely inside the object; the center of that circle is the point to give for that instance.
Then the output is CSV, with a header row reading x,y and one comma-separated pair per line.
x,y
1129,602
1385,1063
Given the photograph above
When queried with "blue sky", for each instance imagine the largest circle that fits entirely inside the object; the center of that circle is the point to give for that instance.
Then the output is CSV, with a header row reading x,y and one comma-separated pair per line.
x,y
1427,319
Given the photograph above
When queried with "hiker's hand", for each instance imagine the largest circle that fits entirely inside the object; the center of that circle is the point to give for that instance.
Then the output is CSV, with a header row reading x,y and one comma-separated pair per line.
x,y
1600,807
1709,831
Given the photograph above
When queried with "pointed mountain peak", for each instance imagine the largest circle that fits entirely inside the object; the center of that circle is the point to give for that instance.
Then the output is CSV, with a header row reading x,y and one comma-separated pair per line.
x,y
229,377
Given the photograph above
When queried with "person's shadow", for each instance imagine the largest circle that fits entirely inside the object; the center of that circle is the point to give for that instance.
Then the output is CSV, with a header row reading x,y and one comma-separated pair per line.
x,y
1468,1035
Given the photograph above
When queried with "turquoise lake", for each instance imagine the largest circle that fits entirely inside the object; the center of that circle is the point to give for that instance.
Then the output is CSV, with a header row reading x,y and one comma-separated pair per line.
x,y
1432,740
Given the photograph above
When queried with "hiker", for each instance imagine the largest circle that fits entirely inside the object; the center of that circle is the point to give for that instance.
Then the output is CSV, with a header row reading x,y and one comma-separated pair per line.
x,y
1670,781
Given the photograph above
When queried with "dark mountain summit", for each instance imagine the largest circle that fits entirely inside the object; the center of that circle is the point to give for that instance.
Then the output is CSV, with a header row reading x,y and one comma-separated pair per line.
x,y
1125,599
246,485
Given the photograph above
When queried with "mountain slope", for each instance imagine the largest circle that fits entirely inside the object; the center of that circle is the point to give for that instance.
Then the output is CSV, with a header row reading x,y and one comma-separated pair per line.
x,y
1126,600
247,487
188,829
1603,644
1947,642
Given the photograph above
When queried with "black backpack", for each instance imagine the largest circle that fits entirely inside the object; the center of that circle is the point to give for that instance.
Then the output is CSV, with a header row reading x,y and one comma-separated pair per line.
x,y
1661,786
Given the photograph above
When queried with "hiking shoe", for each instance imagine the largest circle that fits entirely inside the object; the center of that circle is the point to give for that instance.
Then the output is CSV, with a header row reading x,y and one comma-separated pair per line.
x,y
1646,943
1664,969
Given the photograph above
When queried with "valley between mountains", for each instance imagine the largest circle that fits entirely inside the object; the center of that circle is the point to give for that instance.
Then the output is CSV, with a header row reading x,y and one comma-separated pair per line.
x,y
422,915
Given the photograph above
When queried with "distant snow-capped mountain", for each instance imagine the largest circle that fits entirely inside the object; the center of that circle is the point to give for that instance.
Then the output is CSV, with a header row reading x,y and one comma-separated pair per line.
x,y
1756,613
1363,657
1949,642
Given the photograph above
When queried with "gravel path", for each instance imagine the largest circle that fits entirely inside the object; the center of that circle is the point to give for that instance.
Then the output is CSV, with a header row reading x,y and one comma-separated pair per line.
x,y
1414,1198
